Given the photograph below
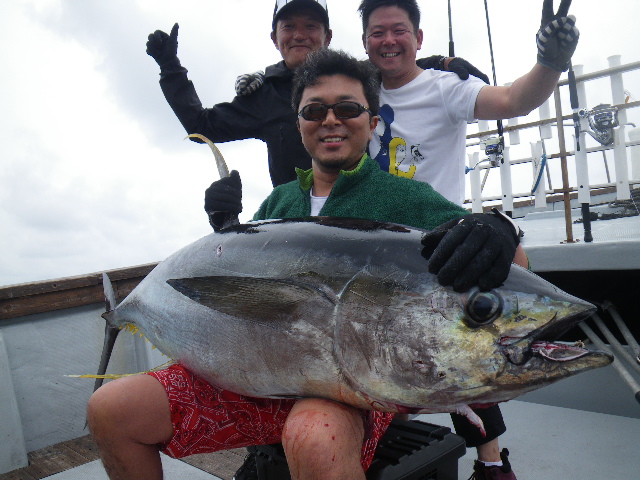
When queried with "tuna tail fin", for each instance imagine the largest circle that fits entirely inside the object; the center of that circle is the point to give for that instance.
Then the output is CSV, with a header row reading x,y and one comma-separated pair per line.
x,y
110,332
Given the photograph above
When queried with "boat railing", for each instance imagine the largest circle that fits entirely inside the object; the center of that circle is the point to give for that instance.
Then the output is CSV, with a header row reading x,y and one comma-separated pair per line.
x,y
606,123
22,300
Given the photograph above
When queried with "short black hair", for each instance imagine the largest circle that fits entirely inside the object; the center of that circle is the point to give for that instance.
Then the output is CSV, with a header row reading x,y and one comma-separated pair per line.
x,y
336,62
367,7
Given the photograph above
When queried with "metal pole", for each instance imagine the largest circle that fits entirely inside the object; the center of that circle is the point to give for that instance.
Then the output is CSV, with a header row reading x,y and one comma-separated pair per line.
x,y
626,376
626,333
615,344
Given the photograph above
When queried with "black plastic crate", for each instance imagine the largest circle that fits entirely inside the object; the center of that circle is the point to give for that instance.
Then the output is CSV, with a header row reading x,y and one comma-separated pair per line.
x,y
409,450
415,450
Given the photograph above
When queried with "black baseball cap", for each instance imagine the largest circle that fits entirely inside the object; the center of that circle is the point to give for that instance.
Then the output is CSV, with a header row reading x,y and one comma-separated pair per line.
x,y
283,6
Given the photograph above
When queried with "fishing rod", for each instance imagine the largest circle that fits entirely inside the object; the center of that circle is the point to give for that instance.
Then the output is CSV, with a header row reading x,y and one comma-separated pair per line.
x,y
493,147
493,66
451,48
575,106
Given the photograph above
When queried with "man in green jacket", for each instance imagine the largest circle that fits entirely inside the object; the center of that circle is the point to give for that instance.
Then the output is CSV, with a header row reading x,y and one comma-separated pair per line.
x,y
134,418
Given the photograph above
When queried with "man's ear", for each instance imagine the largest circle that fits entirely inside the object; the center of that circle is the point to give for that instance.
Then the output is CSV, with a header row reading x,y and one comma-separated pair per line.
x,y
373,124
364,43
298,124
328,37
419,38
274,40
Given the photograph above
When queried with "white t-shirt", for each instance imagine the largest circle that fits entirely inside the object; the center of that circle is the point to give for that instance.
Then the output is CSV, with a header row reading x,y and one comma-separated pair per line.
x,y
423,129
316,204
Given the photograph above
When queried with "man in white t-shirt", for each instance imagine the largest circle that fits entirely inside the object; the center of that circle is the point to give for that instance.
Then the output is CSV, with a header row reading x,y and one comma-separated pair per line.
x,y
422,130
410,142
424,113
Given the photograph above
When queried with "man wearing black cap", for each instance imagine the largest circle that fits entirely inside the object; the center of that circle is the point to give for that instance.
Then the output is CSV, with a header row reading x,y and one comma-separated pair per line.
x,y
299,27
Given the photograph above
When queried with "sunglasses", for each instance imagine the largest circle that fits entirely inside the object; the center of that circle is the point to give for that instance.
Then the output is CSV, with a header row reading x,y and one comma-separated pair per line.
x,y
316,112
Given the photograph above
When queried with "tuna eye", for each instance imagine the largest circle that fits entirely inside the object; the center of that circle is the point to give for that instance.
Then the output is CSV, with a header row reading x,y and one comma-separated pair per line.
x,y
483,308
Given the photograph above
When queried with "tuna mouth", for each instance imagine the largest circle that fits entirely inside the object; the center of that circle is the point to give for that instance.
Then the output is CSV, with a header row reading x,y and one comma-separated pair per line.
x,y
559,352
541,343
520,351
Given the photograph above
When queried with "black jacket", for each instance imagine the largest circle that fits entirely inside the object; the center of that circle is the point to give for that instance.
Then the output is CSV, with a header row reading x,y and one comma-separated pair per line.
x,y
265,114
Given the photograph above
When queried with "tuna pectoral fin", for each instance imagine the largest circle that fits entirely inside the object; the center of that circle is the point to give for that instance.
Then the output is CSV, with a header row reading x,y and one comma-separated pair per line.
x,y
249,297
466,411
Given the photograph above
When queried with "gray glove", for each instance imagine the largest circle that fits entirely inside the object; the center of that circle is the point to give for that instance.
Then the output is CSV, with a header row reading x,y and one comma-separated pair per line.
x,y
162,47
249,83
558,36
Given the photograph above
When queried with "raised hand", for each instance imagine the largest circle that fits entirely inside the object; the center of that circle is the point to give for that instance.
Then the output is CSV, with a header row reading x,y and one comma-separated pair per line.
x,y
558,36
162,47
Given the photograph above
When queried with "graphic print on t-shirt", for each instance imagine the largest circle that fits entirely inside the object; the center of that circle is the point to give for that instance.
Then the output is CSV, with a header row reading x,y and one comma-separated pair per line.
x,y
394,156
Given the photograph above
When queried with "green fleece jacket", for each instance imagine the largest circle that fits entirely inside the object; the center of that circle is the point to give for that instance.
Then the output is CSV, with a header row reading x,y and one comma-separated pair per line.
x,y
365,192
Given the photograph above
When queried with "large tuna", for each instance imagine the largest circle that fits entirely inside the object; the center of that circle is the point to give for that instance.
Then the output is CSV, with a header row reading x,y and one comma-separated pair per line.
x,y
346,310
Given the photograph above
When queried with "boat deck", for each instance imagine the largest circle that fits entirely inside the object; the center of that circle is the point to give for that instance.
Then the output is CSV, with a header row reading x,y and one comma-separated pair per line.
x,y
544,441
615,244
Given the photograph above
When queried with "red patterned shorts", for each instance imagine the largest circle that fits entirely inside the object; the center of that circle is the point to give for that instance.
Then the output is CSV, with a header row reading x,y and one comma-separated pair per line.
x,y
207,419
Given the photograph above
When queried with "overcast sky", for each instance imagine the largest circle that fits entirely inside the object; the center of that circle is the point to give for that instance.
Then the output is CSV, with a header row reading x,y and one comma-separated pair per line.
x,y
95,173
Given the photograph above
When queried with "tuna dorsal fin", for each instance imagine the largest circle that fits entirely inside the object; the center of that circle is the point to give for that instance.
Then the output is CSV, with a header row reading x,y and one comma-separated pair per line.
x,y
249,297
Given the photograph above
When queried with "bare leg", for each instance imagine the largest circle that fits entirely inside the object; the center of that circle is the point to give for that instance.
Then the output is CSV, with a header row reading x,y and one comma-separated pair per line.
x,y
323,441
489,452
128,418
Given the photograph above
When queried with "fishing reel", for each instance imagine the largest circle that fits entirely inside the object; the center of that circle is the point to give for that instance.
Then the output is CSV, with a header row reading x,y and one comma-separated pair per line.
x,y
602,119
493,148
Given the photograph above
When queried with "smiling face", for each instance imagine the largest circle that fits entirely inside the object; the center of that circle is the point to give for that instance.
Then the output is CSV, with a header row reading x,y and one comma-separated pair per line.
x,y
392,44
299,33
336,144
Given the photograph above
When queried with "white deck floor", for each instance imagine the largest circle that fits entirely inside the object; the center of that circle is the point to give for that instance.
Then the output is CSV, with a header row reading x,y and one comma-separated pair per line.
x,y
555,443
545,443
173,470
615,245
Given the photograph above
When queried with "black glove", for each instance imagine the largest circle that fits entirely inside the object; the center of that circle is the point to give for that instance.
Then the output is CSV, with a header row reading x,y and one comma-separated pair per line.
x,y
436,62
463,69
457,65
476,249
223,198
558,36
162,47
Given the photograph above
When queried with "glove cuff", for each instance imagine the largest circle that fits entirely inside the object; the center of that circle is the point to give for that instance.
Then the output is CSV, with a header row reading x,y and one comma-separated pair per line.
x,y
172,66
516,230
553,65
222,220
